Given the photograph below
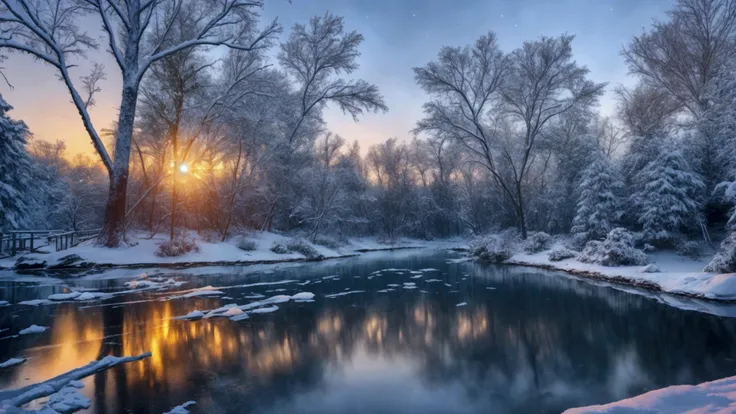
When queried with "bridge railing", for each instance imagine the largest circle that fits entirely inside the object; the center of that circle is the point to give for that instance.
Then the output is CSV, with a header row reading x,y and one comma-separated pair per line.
x,y
16,241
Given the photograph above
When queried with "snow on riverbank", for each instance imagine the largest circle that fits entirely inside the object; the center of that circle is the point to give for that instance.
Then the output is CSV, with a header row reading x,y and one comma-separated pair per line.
x,y
679,275
142,253
709,397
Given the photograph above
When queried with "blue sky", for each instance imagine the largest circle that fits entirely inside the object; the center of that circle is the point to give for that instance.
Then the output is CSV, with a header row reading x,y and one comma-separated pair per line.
x,y
399,35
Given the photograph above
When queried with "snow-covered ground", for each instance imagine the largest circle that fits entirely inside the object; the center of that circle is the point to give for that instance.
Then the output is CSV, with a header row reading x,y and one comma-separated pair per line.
x,y
709,397
678,275
142,251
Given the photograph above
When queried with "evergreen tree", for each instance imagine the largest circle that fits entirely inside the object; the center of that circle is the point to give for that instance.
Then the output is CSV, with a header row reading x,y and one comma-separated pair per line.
x,y
15,170
669,203
599,205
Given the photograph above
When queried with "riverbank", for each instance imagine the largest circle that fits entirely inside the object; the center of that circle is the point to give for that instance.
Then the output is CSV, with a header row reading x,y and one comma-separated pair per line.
x,y
677,275
711,397
142,253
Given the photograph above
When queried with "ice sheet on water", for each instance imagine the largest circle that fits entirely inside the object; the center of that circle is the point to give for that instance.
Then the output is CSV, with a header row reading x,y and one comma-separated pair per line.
x,y
195,314
181,409
351,292
36,302
12,362
33,329
303,296
267,309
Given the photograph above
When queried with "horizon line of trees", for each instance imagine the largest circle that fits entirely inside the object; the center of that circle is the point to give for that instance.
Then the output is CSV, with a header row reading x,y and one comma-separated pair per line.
x,y
508,139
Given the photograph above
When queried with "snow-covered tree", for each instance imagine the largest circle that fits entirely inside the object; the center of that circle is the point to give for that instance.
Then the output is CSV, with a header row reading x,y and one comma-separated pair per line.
x,y
668,205
599,204
139,33
15,170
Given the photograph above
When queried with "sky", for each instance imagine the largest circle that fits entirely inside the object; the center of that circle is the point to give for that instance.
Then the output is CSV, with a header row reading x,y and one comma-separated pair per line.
x,y
399,35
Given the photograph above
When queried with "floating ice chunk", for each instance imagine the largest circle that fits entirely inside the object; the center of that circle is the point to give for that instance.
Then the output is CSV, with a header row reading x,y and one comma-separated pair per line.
x,y
409,287
429,269
240,317
462,304
4,303
234,311
267,309
303,296
64,296
304,283
393,285
448,285
417,277
432,280
68,400
385,290
195,314
33,329
415,272
409,284
181,409
256,296
334,295
36,302
12,362
88,296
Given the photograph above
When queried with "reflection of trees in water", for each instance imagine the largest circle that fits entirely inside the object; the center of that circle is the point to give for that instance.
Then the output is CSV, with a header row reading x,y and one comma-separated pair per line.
x,y
535,341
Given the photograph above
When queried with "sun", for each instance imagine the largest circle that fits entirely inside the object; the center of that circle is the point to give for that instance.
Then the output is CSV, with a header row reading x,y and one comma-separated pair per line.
x,y
183,168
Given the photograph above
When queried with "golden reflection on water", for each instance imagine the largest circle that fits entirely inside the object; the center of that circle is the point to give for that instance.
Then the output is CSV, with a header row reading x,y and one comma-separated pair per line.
x,y
258,349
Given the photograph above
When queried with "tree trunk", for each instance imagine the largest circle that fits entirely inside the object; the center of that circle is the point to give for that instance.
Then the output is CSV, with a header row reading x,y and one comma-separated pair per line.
x,y
520,211
112,232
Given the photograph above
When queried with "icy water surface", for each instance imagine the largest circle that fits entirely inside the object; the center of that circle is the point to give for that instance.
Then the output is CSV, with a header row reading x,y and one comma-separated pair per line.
x,y
459,339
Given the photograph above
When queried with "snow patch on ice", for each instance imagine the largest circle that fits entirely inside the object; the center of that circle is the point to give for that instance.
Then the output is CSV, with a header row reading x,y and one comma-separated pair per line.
x,y
33,329
12,362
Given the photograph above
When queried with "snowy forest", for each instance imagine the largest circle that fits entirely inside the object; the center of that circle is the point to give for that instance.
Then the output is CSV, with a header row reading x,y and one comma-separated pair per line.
x,y
509,139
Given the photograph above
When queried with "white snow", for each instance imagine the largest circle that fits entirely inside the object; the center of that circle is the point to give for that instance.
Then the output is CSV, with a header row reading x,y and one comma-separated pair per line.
x,y
709,397
462,304
68,400
334,295
87,296
678,275
14,399
142,250
35,302
64,296
303,296
267,309
12,362
33,329
195,314
181,409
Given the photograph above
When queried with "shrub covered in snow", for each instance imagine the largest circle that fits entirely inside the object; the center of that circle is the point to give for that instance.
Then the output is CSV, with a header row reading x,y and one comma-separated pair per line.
x,y
616,250
279,248
328,242
725,261
537,242
177,247
650,268
302,247
599,205
246,245
493,248
561,253
691,249
296,246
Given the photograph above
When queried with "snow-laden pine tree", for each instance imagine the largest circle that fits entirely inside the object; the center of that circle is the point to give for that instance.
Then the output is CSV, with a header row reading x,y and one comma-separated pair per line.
x,y
599,204
15,169
668,203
